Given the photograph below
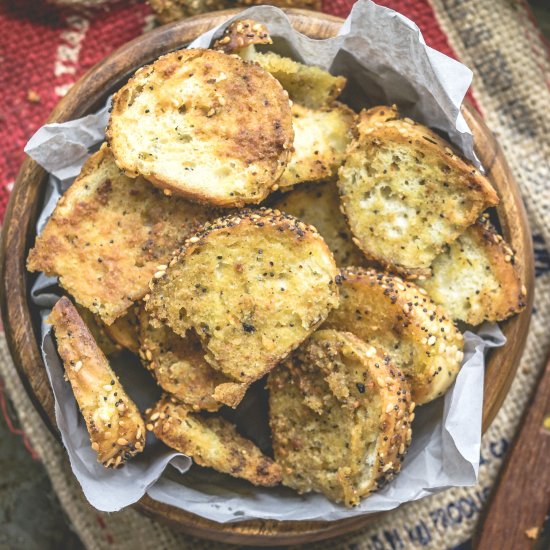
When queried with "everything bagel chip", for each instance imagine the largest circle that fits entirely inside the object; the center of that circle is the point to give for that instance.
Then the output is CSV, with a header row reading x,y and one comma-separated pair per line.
x,y
108,235
340,415
399,317
204,125
406,193
211,442
476,278
116,429
253,285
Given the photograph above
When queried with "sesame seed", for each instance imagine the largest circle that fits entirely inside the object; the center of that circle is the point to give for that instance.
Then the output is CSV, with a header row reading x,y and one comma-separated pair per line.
x,y
78,366
371,352
154,416
95,446
159,274
122,441
149,427
107,387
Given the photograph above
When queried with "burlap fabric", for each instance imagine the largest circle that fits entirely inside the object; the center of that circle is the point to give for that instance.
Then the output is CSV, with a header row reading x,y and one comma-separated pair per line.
x,y
497,39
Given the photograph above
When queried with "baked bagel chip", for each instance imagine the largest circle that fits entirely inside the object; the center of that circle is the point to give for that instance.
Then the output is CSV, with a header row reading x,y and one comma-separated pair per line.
x,y
340,416
108,235
319,205
212,442
125,330
117,431
241,34
321,137
476,279
307,85
400,318
178,365
204,125
253,285
98,329
406,193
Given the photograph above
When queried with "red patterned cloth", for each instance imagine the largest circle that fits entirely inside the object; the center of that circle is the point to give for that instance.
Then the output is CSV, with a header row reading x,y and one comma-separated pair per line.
x,y
44,49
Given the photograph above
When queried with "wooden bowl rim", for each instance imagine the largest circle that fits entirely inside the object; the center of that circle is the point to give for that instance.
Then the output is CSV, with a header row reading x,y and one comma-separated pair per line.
x,y
16,240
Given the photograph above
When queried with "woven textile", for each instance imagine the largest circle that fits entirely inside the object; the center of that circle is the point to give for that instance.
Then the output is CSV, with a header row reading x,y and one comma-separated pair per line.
x,y
511,90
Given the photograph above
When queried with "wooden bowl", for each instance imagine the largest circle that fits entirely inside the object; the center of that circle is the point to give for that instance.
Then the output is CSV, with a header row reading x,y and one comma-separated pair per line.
x,y
88,94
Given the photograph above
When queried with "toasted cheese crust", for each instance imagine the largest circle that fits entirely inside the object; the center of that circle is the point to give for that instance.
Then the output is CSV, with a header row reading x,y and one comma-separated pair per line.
x,y
307,85
108,235
406,193
321,137
399,317
476,278
319,205
212,442
204,125
178,365
340,415
253,285
116,429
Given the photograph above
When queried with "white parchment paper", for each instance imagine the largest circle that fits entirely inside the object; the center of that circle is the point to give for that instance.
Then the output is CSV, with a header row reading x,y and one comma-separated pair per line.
x,y
385,59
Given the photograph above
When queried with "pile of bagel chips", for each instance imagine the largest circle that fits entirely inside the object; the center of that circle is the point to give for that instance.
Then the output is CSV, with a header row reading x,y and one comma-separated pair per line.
x,y
241,224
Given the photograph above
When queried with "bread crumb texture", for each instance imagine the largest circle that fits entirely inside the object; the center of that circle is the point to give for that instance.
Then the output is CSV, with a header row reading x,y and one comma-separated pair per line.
x,y
125,330
114,423
98,330
406,193
476,279
211,442
204,125
253,285
340,415
318,204
321,137
109,233
400,318
179,366
307,85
